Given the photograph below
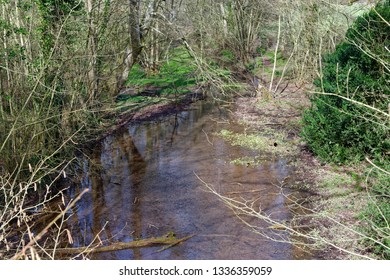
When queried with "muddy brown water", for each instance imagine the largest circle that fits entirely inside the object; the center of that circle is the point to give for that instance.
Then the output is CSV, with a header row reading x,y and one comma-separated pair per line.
x,y
142,184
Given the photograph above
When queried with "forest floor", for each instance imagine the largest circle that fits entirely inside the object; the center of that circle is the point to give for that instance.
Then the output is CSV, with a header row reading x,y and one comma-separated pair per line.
x,y
336,195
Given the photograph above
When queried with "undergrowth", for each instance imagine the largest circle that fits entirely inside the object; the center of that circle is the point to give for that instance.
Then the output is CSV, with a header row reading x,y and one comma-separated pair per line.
x,y
348,121
175,75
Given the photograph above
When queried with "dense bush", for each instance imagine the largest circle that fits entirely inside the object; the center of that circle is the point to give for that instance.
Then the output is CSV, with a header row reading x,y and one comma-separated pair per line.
x,y
341,130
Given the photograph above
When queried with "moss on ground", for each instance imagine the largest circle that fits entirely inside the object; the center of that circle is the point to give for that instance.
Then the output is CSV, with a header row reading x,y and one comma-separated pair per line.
x,y
175,74
266,142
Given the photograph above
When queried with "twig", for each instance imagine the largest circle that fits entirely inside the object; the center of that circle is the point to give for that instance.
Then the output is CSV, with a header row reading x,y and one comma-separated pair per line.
x,y
175,243
376,166
275,55
208,140
248,191
44,231
353,101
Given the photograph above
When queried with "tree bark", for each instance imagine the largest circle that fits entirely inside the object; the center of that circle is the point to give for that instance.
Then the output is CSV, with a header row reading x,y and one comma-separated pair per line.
x,y
135,31
224,21
92,52
133,52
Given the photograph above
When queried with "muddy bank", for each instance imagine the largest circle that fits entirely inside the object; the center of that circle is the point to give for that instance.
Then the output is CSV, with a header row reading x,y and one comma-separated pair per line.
x,y
333,195
145,112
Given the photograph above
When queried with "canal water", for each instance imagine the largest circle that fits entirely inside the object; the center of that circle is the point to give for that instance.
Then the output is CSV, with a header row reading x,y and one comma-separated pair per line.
x,y
144,182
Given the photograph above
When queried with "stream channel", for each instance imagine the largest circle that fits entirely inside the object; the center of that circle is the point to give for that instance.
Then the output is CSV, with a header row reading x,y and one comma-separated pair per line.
x,y
142,184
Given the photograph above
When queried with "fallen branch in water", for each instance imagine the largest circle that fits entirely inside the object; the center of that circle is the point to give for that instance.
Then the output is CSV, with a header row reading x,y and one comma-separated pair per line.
x,y
178,241
169,241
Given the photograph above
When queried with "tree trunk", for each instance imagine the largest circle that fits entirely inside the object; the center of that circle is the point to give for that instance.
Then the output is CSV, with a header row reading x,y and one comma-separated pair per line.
x,y
91,52
224,21
135,31
138,31
133,52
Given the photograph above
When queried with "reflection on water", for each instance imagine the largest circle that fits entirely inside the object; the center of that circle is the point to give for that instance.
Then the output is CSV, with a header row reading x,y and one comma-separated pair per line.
x,y
142,184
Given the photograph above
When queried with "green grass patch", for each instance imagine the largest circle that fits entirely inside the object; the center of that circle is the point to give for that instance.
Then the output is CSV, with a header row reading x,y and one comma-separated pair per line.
x,y
352,198
269,141
280,59
227,56
377,214
249,161
257,64
339,183
174,76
